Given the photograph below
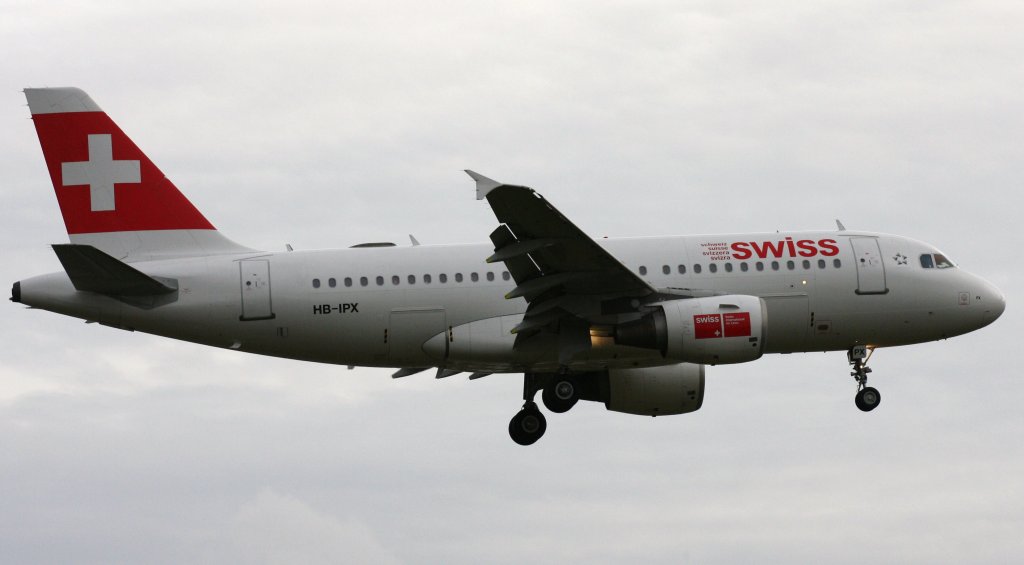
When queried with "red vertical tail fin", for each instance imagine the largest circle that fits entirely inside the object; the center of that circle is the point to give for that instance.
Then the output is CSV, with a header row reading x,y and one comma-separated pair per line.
x,y
110,194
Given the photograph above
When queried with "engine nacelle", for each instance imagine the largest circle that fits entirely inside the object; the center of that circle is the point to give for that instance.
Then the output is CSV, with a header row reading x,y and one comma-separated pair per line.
x,y
711,330
656,391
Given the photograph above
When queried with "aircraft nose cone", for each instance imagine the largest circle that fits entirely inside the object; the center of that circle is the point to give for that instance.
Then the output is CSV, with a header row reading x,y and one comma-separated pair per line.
x,y
1000,305
994,303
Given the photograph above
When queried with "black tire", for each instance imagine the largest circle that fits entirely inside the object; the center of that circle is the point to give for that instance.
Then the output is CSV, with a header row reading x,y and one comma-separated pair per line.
x,y
527,426
868,399
560,395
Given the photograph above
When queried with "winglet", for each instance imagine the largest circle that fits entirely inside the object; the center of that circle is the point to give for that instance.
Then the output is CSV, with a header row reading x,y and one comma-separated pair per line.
x,y
839,225
483,184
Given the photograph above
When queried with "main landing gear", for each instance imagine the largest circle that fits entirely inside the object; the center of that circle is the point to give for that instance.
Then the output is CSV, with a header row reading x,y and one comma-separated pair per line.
x,y
560,393
867,398
528,425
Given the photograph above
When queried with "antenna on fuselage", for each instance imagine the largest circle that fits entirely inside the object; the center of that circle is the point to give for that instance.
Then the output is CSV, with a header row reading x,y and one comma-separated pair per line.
x,y
839,225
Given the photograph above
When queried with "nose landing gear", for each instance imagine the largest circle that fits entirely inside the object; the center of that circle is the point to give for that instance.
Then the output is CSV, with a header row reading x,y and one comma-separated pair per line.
x,y
867,398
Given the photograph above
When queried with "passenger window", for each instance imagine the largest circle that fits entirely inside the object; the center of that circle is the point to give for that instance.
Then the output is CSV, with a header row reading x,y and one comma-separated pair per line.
x,y
474,277
696,268
490,276
728,267
643,270
348,281
790,265
380,280
682,269
363,281
412,279
316,283
665,269
942,263
760,266
458,277
331,282
821,263
807,264
775,265
505,276
426,279
442,278
837,263
713,268
395,279
744,267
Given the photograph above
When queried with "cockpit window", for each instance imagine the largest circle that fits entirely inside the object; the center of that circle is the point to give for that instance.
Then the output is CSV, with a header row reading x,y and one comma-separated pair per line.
x,y
942,263
936,261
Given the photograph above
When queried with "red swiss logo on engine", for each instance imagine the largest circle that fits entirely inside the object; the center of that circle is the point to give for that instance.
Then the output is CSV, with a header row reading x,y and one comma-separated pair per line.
x,y
707,326
710,326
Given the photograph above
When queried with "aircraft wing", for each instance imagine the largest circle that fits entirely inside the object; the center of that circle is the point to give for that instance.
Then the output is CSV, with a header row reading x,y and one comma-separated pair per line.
x,y
564,275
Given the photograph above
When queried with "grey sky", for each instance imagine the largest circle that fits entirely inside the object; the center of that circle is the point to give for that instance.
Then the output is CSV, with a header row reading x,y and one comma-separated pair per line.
x,y
326,124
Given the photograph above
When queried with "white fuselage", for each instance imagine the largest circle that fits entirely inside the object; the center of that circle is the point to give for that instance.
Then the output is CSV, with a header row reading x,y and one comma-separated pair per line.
x,y
359,306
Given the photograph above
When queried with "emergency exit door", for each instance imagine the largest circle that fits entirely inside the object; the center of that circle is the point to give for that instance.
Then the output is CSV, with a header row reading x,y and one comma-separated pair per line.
x,y
870,267
255,280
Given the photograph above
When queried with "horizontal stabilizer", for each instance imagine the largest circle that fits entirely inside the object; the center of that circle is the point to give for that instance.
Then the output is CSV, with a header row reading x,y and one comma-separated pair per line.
x,y
94,271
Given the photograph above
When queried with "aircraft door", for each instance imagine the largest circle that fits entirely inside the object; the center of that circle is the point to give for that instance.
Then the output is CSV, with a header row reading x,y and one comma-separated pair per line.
x,y
255,283
870,267
408,330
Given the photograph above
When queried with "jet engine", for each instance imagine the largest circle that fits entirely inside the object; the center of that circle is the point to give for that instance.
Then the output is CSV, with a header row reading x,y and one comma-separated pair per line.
x,y
711,330
656,391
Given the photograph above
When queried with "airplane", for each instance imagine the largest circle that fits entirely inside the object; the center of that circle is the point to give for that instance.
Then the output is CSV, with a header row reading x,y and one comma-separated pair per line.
x,y
629,322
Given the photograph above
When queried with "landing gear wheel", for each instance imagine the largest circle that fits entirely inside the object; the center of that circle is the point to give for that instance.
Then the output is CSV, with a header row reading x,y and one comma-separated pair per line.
x,y
528,425
560,395
868,398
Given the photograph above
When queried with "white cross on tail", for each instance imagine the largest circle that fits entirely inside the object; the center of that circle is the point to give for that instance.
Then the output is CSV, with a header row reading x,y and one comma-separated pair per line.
x,y
100,172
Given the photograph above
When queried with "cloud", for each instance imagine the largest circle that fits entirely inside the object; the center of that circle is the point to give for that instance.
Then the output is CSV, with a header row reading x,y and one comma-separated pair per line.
x,y
274,528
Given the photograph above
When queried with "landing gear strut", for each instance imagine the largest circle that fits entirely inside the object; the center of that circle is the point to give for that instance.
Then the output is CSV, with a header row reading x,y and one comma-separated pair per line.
x,y
867,398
